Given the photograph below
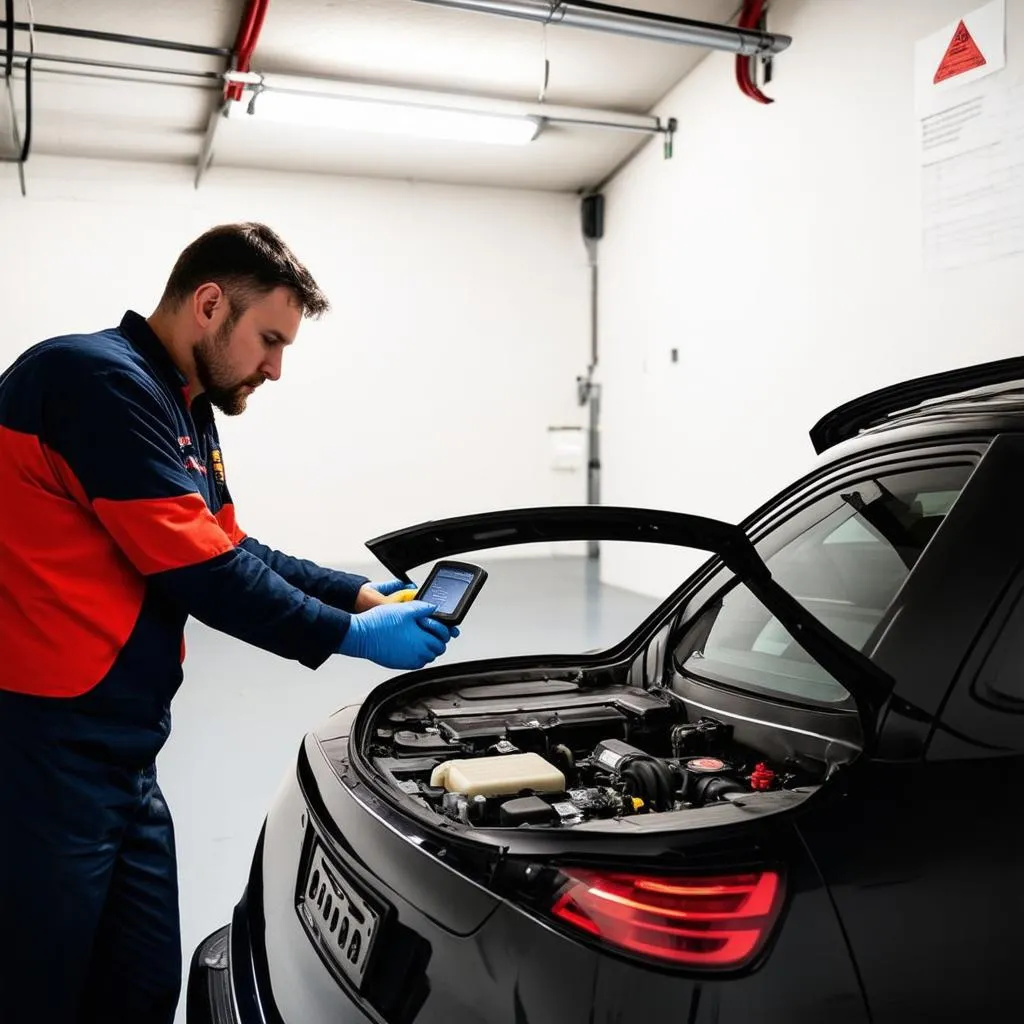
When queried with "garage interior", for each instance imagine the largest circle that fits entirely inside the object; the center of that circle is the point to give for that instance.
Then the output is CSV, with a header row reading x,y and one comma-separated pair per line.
x,y
768,243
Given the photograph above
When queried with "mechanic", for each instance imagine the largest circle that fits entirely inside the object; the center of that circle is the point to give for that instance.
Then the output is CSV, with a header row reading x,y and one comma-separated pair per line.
x,y
117,524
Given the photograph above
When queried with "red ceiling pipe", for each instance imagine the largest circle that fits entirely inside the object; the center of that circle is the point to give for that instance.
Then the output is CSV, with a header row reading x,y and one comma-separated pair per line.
x,y
749,17
245,43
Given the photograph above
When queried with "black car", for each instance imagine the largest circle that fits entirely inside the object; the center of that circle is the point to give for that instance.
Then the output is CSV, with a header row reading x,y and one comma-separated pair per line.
x,y
794,793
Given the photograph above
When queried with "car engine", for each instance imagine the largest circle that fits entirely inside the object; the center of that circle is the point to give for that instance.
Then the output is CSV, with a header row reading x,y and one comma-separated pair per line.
x,y
618,753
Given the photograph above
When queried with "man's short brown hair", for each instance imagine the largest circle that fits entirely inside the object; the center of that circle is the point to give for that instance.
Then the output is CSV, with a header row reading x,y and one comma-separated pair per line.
x,y
247,260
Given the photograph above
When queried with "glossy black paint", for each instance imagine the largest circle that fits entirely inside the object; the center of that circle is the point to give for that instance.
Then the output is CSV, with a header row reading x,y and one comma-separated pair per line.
x,y
904,874
848,420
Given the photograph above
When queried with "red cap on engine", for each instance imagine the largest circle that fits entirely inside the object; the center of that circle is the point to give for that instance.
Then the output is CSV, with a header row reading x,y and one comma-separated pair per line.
x,y
762,777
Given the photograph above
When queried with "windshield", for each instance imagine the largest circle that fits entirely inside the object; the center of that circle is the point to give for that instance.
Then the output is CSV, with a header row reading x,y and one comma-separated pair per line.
x,y
845,566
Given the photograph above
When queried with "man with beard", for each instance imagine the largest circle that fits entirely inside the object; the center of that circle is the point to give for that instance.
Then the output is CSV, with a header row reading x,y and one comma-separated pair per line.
x,y
116,524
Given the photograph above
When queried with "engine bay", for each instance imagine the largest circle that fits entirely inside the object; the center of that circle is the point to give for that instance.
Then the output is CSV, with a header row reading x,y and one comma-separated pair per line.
x,y
555,755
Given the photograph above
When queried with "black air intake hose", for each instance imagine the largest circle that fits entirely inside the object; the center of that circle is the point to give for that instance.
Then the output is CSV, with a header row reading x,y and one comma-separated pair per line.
x,y
644,776
653,782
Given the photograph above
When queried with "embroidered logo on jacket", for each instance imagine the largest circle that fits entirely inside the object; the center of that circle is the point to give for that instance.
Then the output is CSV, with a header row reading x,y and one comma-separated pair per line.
x,y
218,465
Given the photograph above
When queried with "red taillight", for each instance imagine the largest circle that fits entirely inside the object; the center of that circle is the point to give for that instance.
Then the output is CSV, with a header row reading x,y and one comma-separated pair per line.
x,y
719,922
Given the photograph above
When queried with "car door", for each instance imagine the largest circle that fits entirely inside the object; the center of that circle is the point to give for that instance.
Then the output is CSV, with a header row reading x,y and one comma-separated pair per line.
x,y
924,856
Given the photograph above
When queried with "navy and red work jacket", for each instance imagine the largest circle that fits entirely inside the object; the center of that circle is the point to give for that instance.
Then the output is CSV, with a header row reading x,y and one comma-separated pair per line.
x,y
116,524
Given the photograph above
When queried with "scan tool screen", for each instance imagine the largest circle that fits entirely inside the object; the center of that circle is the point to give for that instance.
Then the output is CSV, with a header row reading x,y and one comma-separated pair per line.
x,y
447,589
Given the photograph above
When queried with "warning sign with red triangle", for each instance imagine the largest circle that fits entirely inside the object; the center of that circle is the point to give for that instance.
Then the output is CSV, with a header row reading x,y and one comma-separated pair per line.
x,y
962,55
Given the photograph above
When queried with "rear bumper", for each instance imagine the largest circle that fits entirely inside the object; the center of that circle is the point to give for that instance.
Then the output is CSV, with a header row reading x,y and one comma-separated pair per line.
x,y
209,999
451,951
227,980
230,978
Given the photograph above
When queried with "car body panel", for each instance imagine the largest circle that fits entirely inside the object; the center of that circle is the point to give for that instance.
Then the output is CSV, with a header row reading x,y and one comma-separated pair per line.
x,y
924,861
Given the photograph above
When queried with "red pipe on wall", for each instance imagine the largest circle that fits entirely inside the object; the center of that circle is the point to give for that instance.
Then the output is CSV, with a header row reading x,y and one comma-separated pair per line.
x,y
749,18
245,44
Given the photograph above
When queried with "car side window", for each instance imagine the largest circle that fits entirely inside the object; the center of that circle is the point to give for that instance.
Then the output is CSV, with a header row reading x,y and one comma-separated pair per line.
x,y
844,560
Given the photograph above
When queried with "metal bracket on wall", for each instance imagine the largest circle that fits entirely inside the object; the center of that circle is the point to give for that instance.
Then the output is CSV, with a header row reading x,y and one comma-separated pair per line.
x,y
588,392
670,137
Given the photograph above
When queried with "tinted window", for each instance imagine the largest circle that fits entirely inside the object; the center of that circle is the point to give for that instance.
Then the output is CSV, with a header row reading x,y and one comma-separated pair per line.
x,y
845,565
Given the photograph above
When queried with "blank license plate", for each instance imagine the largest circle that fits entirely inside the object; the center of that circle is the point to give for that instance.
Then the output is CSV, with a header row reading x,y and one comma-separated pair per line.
x,y
338,917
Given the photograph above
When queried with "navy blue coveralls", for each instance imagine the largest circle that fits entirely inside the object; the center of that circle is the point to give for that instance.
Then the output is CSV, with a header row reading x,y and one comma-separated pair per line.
x,y
116,524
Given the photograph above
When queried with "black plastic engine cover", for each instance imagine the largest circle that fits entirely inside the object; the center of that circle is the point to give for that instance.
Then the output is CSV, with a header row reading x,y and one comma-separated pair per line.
x,y
421,744
526,810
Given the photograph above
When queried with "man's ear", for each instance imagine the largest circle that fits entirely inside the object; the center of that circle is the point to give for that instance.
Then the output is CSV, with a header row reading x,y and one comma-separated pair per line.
x,y
207,300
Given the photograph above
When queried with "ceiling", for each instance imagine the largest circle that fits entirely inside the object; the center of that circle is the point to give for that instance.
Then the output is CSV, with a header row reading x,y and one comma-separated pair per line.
x,y
147,116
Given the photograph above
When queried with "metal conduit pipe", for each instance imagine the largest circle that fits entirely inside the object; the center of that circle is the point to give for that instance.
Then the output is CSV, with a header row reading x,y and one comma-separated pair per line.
x,y
117,65
623,21
70,32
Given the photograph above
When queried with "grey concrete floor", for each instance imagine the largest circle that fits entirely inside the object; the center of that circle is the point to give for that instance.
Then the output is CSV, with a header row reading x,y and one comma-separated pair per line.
x,y
241,713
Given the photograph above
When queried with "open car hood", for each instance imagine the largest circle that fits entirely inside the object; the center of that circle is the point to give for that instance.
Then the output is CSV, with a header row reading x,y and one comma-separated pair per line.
x,y
402,550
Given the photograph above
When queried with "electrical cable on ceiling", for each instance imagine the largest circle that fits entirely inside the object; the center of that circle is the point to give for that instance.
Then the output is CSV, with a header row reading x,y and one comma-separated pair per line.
x,y
15,140
69,32
22,146
245,43
9,50
27,142
752,16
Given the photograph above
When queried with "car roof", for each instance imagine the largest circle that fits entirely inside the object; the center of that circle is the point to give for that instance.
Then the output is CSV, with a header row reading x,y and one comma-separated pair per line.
x,y
984,396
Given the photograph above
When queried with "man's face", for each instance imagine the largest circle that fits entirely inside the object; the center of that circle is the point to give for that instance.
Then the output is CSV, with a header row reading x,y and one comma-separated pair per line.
x,y
234,358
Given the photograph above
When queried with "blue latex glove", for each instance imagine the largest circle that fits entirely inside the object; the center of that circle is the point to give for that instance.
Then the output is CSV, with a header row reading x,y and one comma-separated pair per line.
x,y
391,587
396,635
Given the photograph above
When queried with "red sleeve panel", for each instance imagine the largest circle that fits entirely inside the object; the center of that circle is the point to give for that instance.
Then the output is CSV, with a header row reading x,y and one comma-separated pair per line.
x,y
69,598
99,507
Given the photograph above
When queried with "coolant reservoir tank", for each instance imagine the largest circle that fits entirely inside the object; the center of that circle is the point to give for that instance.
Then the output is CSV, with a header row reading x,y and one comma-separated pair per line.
x,y
503,775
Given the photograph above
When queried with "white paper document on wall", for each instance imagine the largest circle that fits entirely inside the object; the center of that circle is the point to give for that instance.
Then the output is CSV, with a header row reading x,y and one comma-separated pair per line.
x,y
971,143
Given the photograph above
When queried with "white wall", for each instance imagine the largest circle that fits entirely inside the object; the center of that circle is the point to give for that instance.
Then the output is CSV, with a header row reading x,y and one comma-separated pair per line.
x,y
780,252
460,320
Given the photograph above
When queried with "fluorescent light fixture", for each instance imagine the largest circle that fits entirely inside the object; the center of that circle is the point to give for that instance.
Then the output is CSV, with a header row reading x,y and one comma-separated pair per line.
x,y
381,117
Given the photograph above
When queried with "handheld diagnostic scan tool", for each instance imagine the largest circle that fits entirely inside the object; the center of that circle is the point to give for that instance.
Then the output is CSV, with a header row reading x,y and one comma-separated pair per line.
x,y
452,587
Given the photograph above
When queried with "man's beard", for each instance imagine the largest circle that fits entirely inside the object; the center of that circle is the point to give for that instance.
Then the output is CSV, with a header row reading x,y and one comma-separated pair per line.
x,y
223,391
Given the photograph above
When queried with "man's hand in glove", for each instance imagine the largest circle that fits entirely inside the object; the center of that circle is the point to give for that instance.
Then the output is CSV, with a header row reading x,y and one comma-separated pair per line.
x,y
390,592
397,635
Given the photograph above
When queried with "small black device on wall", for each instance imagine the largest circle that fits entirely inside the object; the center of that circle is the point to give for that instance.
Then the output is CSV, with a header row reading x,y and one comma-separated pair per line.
x,y
592,210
